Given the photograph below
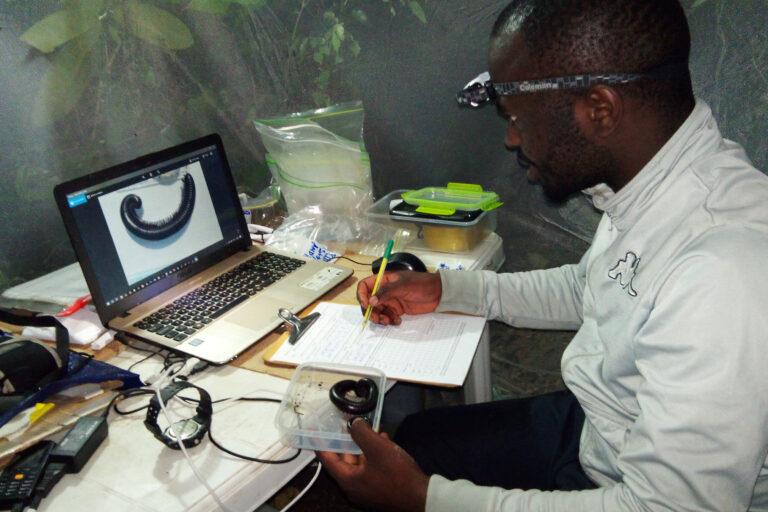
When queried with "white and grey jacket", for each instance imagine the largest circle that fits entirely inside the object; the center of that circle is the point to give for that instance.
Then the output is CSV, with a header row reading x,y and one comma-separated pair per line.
x,y
670,357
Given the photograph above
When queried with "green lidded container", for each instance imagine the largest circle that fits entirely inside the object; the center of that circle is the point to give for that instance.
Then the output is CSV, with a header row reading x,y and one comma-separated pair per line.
x,y
455,218
454,197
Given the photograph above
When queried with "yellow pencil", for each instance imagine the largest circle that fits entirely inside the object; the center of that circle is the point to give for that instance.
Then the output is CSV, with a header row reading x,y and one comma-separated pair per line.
x,y
383,266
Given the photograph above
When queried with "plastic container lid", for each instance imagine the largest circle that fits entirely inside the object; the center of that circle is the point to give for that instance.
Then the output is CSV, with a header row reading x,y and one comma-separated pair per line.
x,y
456,196
308,419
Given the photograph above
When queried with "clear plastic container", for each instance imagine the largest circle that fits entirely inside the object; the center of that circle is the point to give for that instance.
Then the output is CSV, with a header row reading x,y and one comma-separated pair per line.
x,y
307,418
447,233
455,197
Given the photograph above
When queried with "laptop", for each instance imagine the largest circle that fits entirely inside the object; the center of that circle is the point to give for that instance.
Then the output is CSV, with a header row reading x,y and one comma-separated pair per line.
x,y
166,253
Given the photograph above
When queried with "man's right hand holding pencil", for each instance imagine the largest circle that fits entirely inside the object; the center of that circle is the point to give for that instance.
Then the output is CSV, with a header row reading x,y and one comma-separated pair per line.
x,y
399,293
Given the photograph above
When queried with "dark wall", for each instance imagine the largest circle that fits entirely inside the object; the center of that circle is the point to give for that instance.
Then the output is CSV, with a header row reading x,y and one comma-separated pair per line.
x,y
417,135
110,94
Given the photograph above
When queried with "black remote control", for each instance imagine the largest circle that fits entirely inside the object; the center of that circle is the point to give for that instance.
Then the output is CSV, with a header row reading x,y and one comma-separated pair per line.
x,y
18,481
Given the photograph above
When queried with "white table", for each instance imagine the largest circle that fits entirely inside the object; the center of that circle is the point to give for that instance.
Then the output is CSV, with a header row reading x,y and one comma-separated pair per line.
x,y
132,471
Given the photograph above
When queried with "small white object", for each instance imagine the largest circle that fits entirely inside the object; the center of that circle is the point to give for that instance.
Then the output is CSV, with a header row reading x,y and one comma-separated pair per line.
x,y
17,425
84,328
479,79
258,228
103,340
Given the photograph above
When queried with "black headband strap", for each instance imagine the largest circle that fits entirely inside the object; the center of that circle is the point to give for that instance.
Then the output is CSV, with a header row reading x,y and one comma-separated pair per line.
x,y
62,336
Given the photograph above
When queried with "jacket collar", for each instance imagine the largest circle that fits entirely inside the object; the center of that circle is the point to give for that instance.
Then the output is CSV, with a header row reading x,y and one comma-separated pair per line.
x,y
698,132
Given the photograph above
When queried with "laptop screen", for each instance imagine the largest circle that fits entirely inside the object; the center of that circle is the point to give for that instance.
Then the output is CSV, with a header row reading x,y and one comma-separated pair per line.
x,y
141,227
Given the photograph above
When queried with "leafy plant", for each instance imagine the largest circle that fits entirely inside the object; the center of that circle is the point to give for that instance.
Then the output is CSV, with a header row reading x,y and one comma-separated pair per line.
x,y
115,78
329,48
70,37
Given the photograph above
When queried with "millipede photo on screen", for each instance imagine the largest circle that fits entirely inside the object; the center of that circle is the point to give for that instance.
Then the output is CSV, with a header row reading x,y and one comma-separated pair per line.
x,y
163,228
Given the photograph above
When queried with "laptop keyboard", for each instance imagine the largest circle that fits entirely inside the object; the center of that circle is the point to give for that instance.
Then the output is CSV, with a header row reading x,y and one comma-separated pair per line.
x,y
193,311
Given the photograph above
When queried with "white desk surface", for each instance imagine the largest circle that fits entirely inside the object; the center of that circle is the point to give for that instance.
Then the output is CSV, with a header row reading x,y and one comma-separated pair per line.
x,y
132,471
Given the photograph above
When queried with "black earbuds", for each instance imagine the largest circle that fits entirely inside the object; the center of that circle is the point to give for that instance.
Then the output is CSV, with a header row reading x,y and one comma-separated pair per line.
x,y
355,397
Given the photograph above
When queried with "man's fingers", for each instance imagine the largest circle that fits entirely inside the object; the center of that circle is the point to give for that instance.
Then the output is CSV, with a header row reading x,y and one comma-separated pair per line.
x,y
395,315
387,289
336,465
385,315
372,443
329,460
363,294
385,477
351,459
364,289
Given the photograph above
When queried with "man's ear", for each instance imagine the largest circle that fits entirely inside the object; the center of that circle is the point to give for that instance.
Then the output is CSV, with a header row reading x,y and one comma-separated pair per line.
x,y
600,111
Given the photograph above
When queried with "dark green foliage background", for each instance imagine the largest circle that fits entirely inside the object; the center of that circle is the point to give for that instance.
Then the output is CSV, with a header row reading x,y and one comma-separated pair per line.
x,y
89,83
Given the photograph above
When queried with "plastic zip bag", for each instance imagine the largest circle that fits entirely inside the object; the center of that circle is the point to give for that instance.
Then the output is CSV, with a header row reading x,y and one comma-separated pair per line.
x,y
318,159
328,236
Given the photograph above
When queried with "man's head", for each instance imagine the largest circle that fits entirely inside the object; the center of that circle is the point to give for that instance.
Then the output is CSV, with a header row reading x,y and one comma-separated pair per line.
x,y
571,138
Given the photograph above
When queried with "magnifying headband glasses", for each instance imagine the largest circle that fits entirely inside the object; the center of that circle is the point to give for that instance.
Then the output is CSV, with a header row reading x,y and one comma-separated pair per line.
x,y
481,90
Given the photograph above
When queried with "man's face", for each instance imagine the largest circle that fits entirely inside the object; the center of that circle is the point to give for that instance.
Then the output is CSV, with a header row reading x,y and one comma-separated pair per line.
x,y
544,132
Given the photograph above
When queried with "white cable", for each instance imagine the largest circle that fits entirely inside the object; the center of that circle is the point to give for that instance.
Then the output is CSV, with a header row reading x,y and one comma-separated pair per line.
x,y
220,404
189,364
199,476
160,383
310,484
159,379
257,228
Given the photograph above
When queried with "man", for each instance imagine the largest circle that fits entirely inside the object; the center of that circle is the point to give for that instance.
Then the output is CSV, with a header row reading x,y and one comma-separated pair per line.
x,y
667,407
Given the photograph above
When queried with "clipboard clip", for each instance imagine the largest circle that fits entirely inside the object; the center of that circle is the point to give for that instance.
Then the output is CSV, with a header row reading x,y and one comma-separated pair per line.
x,y
298,325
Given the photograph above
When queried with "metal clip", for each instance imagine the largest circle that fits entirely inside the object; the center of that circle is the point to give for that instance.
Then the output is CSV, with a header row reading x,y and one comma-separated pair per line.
x,y
298,325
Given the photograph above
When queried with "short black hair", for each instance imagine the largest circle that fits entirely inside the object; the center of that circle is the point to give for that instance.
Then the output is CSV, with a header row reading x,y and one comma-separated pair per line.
x,y
569,37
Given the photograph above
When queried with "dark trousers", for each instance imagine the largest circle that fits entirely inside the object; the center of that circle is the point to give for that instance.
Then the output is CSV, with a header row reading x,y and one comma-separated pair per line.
x,y
527,443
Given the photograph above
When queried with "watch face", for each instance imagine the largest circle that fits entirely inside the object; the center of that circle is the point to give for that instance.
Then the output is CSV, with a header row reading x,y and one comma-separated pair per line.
x,y
186,429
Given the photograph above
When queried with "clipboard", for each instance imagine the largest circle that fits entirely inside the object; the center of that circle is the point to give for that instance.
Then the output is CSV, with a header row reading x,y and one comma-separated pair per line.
x,y
275,346
434,348
255,358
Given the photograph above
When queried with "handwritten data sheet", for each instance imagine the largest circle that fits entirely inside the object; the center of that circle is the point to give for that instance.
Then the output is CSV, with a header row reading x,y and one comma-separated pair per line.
x,y
436,348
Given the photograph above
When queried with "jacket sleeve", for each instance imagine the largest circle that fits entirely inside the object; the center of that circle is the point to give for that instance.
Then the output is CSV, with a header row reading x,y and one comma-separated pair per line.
x,y
698,441
538,299
461,495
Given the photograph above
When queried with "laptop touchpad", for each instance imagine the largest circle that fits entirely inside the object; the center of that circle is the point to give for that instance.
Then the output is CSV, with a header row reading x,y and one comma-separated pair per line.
x,y
257,313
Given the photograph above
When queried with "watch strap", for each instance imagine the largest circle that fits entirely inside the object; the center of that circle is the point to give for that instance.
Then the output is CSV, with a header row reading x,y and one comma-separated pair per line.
x,y
203,414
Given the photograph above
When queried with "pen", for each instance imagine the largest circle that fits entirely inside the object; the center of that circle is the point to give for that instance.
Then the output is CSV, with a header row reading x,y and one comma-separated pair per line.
x,y
75,306
387,252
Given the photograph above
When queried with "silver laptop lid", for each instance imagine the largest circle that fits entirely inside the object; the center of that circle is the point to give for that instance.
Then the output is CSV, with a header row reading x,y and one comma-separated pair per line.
x,y
141,227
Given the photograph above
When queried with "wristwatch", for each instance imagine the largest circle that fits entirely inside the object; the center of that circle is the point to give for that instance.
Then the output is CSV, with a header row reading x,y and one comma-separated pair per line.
x,y
189,431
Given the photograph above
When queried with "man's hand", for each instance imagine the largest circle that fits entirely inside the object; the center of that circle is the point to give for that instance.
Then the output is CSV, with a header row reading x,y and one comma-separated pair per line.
x,y
400,293
383,477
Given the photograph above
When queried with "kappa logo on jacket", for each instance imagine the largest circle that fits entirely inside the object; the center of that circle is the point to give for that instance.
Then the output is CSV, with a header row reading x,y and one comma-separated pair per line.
x,y
624,272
